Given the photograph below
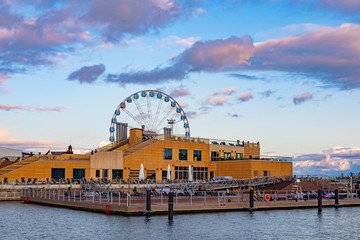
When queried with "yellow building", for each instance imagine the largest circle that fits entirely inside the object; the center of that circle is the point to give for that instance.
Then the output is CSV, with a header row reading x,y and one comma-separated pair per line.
x,y
207,159
123,159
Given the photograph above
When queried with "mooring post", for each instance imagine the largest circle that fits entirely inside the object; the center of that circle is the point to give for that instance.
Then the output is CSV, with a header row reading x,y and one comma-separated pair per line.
x,y
336,198
320,200
148,202
171,206
251,197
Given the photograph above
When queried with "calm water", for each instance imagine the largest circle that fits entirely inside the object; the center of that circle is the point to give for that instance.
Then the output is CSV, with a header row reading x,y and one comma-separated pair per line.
x,y
23,221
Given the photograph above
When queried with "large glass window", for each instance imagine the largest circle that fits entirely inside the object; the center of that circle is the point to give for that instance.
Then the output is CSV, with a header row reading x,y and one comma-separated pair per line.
x,y
199,173
227,155
167,153
58,173
78,173
183,154
105,173
239,156
197,155
117,174
214,156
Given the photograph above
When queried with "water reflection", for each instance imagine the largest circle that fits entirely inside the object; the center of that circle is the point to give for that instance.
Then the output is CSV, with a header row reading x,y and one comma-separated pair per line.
x,y
21,221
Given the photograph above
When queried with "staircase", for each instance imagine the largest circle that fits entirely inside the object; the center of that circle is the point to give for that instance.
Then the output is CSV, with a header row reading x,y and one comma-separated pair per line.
x,y
114,145
139,146
18,165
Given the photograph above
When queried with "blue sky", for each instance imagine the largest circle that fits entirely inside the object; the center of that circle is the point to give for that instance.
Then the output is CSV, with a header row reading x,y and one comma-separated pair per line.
x,y
284,73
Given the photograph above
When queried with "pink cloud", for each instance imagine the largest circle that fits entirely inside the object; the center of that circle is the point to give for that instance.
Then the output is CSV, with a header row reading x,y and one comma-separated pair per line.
x,y
7,141
31,108
180,93
191,115
183,104
3,78
226,91
302,98
348,6
218,101
244,97
329,54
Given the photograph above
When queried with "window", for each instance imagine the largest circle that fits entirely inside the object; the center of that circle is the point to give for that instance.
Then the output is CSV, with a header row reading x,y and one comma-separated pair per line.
x,y
227,155
183,154
97,173
164,174
105,173
199,173
197,155
239,156
266,173
117,174
167,153
58,173
214,156
78,173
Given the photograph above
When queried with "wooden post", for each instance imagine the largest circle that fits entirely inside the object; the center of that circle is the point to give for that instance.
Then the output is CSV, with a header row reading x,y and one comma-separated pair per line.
x,y
251,199
319,200
171,206
336,198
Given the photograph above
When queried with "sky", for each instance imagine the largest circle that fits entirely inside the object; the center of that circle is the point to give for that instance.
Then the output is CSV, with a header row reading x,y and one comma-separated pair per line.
x,y
285,73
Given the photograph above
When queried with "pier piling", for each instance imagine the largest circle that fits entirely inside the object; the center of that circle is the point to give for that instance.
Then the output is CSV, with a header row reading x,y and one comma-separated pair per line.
x,y
251,197
336,198
171,206
320,200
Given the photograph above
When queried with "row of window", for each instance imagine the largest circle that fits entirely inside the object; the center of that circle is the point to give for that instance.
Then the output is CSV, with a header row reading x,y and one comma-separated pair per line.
x,y
183,154
116,173
59,173
227,155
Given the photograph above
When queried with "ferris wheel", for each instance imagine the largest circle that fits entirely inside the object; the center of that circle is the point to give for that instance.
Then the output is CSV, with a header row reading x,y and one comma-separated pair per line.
x,y
151,110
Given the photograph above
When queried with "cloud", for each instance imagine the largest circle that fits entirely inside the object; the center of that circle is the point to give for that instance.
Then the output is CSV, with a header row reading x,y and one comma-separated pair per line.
x,y
117,19
330,55
31,108
209,56
38,33
345,6
234,115
244,76
7,141
3,78
191,115
187,42
267,93
217,101
302,98
226,91
244,97
180,93
87,74
183,104
335,160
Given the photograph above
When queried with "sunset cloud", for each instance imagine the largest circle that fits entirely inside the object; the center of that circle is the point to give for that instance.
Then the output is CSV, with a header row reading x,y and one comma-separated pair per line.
x,y
31,108
226,91
87,74
244,97
302,98
334,160
180,93
217,101
328,54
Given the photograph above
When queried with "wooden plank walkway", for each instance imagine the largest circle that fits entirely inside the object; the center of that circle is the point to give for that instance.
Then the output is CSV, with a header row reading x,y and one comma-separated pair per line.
x,y
187,208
